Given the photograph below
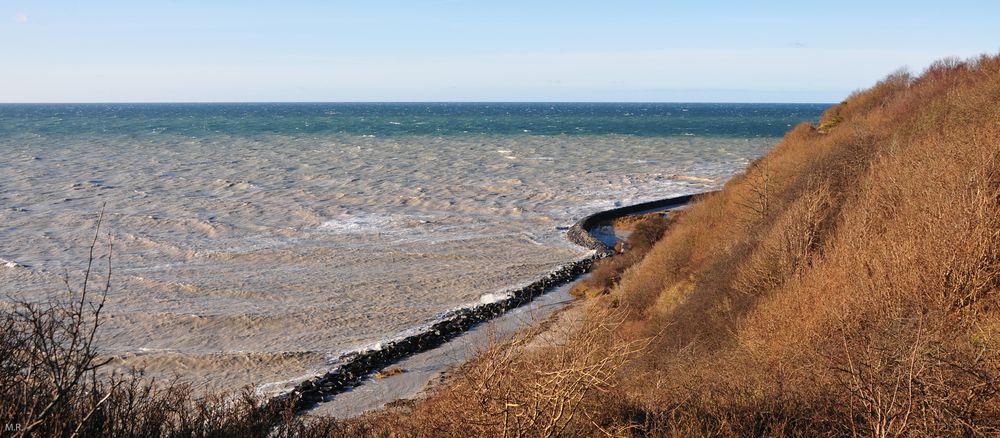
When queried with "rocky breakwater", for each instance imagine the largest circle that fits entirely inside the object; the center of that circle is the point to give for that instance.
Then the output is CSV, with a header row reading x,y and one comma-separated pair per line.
x,y
354,367
359,365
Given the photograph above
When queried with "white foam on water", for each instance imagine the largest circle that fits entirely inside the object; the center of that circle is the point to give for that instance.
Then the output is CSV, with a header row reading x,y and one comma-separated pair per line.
x,y
493,298
358,224
284,386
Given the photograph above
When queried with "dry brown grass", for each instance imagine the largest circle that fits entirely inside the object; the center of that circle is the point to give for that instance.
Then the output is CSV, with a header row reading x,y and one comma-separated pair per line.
x,y
850,276
644,231
509,390
846,284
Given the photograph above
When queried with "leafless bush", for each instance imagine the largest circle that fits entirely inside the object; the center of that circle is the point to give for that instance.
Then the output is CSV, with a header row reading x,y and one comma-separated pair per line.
x,y
51,358
51,384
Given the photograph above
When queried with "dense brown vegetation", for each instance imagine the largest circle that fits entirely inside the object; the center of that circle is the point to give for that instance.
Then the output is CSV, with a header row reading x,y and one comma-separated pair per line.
x,y
846,284
643,232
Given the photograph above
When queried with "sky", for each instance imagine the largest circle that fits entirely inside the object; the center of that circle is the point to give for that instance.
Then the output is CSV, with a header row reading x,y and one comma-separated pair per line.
x,y
466,50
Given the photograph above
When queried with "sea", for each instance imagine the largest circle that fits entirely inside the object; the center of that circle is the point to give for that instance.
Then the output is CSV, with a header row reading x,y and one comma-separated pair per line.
x,y
255,244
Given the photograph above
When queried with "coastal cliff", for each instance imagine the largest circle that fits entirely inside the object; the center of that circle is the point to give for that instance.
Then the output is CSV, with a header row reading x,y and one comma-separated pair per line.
x,y
844,284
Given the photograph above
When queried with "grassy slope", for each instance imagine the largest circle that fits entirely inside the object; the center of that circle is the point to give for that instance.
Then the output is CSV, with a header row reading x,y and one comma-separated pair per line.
x,y
845,284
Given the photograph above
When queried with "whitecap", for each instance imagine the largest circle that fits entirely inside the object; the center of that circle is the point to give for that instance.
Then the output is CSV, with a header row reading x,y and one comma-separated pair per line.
x,y
284,386
692,178
493,298
358,224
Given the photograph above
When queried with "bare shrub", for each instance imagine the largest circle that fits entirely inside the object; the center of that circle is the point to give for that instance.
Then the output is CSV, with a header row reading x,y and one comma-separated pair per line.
x,y
788,247
51,355
51,384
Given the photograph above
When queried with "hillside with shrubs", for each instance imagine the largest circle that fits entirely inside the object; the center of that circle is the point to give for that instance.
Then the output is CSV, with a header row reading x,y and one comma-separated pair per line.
x,y
844,285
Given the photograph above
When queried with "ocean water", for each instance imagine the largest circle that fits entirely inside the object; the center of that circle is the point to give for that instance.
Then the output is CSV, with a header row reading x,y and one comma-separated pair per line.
x,y
256,243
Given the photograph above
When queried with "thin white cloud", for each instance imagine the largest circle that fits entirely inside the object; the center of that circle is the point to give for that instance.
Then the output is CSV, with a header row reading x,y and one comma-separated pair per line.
x,y
21,18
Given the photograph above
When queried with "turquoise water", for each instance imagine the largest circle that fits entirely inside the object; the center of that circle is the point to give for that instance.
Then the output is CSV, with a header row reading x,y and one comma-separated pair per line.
x,y
255,243
393,119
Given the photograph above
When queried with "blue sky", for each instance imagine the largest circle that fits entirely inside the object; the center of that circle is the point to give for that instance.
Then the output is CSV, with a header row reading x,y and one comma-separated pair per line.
x,y
464,50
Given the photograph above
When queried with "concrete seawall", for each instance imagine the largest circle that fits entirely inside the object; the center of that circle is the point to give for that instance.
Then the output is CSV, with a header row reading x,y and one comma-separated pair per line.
x,y
580,233
358,365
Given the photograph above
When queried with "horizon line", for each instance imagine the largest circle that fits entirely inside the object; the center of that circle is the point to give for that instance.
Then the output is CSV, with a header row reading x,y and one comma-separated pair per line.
x,y
234,102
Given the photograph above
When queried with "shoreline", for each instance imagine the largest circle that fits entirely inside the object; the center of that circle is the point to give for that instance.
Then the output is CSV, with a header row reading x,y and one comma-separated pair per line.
x,y
418,376
356,367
